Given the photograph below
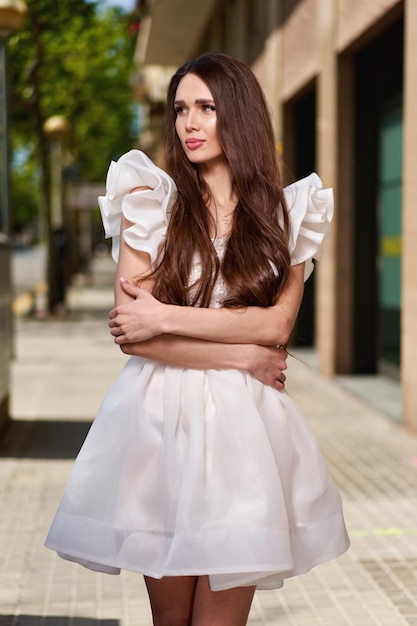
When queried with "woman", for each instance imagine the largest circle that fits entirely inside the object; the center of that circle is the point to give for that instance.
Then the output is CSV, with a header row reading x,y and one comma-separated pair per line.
x,y
199,472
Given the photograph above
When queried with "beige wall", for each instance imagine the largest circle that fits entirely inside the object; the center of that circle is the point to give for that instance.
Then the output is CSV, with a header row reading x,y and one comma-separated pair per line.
x,y
267,69
300,47
357,16
314,43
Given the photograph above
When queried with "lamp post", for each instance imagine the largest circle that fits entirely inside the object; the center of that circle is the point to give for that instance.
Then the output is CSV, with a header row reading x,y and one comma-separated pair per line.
x,y
56,128
12,13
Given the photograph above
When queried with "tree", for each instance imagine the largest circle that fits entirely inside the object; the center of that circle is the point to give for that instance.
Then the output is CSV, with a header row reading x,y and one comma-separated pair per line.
x,y
74,59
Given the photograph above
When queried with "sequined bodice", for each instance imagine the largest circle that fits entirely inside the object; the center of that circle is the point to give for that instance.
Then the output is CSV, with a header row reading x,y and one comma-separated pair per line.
x,y
219,289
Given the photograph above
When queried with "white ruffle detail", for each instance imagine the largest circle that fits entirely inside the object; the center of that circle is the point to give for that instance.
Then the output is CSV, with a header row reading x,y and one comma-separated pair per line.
x,y
311,211
148,210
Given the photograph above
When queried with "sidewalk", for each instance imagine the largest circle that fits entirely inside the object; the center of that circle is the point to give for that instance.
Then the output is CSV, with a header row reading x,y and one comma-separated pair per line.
x,y
62,371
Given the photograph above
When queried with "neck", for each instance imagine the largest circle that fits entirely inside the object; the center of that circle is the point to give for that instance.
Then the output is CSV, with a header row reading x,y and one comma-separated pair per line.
x,y
222,201
222,210
218,178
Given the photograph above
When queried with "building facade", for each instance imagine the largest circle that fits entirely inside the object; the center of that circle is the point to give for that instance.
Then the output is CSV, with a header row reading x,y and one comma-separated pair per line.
x,y
340,77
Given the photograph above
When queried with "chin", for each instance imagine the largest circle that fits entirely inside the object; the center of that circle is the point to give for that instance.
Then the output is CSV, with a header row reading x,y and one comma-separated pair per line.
x,y
204,159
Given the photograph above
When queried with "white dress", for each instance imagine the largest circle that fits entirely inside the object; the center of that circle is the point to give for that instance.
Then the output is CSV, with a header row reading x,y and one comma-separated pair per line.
x,y
193,472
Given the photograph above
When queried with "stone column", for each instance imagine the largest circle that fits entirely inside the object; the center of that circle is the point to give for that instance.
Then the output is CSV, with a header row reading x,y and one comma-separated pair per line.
x,y
327,169
268,67
345,217
409,227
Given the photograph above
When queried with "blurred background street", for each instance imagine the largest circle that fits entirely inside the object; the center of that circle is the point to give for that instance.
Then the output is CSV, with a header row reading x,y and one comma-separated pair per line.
x,y
82,82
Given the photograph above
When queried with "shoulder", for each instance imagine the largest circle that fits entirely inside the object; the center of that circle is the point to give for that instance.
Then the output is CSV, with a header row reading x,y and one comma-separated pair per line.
x,y
310,209
135,169
143,194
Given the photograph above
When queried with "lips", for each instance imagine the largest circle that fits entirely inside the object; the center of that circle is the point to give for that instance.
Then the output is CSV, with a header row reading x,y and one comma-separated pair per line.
x,y
192,143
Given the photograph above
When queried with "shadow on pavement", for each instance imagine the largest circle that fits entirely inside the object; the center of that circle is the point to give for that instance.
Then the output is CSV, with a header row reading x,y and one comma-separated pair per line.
x,y
43,439
38,620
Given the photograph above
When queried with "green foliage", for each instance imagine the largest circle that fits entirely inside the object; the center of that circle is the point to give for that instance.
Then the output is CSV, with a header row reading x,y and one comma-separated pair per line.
x,y
72,58
26,200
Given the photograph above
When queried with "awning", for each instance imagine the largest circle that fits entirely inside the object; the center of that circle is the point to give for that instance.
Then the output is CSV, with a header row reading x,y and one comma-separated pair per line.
x,y
170,34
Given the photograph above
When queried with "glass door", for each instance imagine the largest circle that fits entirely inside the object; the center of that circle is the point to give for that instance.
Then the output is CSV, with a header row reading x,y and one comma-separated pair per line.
x,y
389,194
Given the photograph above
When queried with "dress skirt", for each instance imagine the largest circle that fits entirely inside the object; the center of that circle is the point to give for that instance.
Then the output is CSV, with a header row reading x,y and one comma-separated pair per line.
x,y
199,472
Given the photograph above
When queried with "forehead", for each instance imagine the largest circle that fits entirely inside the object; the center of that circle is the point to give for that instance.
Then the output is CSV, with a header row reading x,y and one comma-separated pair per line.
x,y
191,87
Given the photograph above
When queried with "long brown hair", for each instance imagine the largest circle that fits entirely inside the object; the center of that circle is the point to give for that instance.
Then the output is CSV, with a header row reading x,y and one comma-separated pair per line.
x,y
256,262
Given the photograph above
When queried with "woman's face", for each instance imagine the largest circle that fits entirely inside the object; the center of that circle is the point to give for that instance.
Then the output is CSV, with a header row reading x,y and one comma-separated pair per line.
x,y
196,121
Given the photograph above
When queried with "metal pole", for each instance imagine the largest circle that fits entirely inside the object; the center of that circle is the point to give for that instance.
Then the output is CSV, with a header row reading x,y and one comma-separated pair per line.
x,y
56,182
5,199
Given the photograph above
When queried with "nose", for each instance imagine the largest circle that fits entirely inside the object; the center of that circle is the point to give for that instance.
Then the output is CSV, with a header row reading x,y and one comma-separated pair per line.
x,y
191,123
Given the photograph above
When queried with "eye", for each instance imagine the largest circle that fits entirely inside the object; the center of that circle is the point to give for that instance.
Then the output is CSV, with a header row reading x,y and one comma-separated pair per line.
x,y
208,108
180,110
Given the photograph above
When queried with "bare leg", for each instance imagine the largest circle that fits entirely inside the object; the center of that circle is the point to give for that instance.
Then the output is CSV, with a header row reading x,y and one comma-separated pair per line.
x,y
171,599
221,608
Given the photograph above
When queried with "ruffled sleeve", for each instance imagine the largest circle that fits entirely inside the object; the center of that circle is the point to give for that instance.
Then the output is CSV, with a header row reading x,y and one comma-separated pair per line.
x,y
311,211
148,209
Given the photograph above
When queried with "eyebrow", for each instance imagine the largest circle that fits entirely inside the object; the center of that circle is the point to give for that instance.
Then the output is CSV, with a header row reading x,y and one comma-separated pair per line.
x,y
198,101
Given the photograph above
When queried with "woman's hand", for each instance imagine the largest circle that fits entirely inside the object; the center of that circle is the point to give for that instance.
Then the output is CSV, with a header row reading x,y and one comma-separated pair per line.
x,y
267,364
142,319
137,320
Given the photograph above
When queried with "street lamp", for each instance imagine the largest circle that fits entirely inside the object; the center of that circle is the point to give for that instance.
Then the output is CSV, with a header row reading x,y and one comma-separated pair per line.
x,y
56,128
12,13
